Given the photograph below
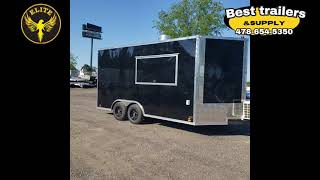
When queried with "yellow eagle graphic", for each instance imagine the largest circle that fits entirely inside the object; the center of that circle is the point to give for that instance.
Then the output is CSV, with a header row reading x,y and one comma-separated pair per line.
x,y
33,26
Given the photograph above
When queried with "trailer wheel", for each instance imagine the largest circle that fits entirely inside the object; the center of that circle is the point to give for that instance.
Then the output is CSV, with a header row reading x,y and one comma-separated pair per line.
x,y
135,115
119,111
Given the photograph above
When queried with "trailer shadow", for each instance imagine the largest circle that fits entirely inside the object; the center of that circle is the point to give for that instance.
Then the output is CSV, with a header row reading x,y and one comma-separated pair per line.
x,y
235,127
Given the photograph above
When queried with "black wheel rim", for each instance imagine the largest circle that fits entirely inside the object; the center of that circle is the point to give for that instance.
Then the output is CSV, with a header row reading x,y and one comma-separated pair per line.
x,y
118,111
133,114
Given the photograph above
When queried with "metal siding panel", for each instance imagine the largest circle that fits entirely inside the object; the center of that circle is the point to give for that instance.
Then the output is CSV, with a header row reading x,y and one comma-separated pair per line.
x,y
223,71
208,113
116,79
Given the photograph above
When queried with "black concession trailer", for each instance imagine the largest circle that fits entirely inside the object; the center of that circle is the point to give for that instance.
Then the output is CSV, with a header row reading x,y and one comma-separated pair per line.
x,y
195,80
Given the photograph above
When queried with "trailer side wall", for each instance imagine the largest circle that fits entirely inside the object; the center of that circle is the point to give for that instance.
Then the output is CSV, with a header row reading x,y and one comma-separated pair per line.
x,y
122,69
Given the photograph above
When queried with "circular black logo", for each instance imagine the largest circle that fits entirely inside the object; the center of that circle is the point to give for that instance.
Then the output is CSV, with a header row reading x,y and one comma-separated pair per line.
x,y
40,23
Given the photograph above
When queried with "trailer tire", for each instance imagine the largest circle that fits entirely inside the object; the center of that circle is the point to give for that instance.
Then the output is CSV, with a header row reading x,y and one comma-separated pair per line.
x,y
119,111
135,115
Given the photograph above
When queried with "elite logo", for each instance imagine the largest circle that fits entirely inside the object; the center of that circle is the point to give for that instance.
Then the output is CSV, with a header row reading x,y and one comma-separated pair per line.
x,y
40,23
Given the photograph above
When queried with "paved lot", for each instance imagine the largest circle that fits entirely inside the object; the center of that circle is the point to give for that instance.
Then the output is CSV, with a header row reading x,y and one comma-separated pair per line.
x,y
104,148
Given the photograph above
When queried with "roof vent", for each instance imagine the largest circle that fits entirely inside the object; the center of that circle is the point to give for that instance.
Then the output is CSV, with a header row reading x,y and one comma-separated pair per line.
x,y
164,37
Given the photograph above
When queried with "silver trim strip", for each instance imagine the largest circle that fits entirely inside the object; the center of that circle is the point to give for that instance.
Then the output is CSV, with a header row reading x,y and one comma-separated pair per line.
x,y
156,84
169,119
147,43
170,40
106,109
212,123
195,81
148,115
157,56
225,38
244,70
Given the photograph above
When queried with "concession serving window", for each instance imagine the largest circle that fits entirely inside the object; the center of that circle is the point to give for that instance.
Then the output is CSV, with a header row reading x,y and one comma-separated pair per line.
x,y
157,69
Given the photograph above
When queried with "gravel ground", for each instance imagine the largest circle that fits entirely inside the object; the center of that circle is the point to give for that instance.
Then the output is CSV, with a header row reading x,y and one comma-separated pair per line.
x,y
104,148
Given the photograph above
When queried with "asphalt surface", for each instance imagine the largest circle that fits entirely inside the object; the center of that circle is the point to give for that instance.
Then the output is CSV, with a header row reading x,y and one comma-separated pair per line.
x,y
104,148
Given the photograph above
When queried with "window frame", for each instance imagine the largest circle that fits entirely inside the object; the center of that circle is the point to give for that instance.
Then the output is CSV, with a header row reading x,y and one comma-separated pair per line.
x,y
176,55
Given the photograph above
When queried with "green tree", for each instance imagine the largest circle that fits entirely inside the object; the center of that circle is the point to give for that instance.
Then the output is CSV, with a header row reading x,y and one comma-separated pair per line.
x,y
73,62
248,83
86,68
191,17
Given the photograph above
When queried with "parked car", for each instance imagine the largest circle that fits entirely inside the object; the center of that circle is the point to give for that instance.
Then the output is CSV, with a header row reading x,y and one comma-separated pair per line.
x,y
83,83
248,95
